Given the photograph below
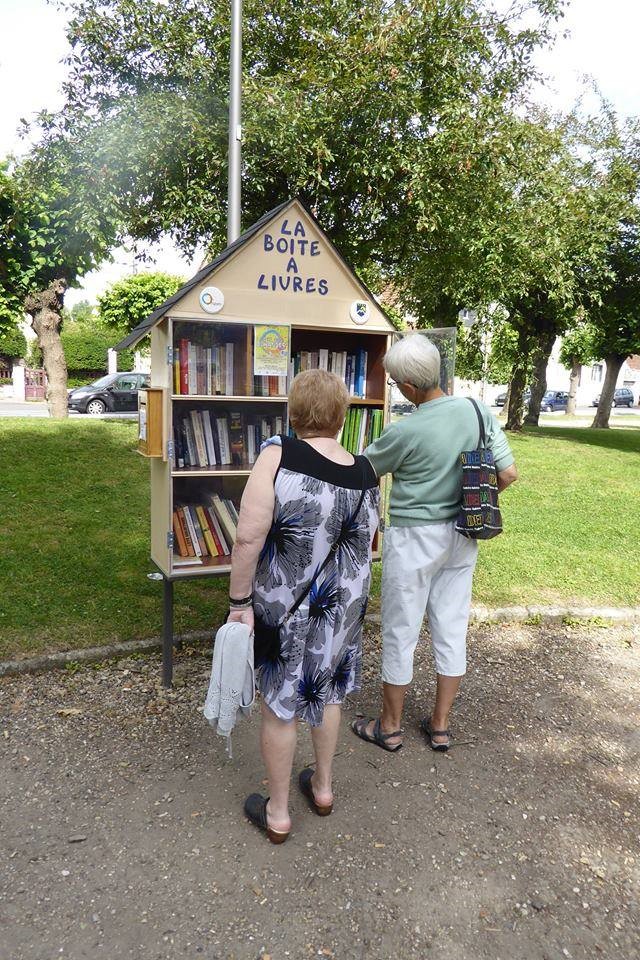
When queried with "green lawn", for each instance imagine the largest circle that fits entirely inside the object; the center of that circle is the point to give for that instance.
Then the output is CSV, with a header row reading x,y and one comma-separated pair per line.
x,y
74,519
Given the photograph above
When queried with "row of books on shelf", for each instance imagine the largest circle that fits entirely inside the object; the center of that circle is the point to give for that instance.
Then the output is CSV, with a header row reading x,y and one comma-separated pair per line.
x,y
269,386
200,370
362,425
350,367
210,438
204,530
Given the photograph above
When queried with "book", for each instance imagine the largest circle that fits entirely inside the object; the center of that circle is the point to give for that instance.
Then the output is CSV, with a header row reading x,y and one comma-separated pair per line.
x,y
186,513
226,521
198,432
218,532
236,438
222,428
206,532
179,537
183,360
208,437
185,532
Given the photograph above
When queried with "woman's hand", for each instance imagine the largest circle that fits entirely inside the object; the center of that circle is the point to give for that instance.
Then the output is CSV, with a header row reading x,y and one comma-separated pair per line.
x,y
242,615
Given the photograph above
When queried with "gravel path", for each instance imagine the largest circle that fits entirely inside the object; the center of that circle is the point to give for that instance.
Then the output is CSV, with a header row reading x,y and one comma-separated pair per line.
x,y
122,833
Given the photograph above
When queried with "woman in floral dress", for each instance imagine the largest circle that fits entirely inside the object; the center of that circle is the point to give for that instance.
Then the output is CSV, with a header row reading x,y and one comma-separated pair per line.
x,y
307,520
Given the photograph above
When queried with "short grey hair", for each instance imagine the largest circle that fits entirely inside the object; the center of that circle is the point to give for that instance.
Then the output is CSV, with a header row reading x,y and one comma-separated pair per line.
x,y
415,360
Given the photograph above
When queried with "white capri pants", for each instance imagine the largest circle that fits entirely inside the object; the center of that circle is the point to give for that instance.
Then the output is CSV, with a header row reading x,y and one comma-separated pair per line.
x,y
428,567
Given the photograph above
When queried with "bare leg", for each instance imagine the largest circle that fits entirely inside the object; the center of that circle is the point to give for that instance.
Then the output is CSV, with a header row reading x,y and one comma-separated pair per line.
x,y
446,693
324,739
278,745
392,705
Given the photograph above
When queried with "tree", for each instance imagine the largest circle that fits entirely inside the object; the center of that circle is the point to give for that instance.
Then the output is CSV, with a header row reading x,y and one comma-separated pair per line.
x,y
568,216
615,323
56,226
370,110
575,351
127,302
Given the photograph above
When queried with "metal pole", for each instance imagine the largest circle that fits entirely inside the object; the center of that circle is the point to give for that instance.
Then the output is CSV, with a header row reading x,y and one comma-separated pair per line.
x,y
235,129
167,632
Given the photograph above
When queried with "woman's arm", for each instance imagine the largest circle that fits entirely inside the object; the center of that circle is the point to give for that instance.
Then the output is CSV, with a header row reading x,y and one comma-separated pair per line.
x,y
254,522
506,477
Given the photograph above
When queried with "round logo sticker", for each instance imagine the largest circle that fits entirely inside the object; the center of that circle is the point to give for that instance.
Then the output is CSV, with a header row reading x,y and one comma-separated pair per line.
x,y
359,311
211,299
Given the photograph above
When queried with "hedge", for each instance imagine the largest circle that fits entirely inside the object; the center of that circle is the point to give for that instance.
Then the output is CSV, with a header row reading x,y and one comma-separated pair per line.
x,y
13,344
86,352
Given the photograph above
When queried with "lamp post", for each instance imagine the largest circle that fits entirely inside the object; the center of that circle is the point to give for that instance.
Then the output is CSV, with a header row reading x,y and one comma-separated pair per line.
x,y
235,128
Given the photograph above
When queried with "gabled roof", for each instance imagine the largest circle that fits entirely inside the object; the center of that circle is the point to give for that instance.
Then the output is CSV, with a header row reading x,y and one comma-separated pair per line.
x,y
149,322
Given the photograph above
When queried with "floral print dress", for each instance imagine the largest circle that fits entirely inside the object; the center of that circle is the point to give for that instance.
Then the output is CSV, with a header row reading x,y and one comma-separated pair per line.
x,y
320,656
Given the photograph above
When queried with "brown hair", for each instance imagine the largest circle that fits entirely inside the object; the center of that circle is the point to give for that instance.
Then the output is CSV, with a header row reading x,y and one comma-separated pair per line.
x,y
318,402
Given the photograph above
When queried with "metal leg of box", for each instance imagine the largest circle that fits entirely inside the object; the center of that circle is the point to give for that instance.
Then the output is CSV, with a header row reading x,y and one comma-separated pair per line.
x,y
167,632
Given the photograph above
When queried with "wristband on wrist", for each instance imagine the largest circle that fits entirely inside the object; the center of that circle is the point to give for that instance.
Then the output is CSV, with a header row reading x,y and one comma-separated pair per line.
x,y
245,602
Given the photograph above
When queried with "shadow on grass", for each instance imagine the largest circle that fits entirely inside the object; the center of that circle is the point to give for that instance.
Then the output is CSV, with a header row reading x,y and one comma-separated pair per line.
x,y
625,441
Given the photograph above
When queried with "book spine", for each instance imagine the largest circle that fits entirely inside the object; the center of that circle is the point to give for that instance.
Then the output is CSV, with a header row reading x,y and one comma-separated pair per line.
x,y
195,543
236,436
183,359
199,438
225,519
191,443
179,536
225,550
223,439
185,532
206,533
176,375
229,388
208,436
196,527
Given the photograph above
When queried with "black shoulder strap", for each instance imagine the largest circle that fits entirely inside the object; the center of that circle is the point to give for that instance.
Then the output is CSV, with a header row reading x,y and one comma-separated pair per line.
x,y
483,437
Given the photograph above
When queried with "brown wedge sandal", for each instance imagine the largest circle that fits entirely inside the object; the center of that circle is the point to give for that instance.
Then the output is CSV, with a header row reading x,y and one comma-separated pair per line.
x,y
255,808
304,782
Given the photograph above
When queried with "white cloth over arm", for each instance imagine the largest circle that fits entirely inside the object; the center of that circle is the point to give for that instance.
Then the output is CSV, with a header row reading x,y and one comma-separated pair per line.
x,y
232,684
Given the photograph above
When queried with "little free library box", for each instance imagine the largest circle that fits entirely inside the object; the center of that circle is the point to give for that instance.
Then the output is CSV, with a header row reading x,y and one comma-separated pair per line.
x,y
224,348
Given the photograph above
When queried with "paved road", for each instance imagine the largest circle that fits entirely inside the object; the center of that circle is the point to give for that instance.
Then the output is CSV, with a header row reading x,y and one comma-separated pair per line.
x,y
13,408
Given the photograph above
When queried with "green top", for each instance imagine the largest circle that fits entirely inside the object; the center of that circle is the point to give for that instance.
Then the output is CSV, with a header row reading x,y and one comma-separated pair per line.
x,y
422,451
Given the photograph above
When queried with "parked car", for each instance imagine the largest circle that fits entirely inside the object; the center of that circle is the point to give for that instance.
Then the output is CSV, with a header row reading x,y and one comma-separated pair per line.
x,y
622,397
402,407
501,399
554,400
115,392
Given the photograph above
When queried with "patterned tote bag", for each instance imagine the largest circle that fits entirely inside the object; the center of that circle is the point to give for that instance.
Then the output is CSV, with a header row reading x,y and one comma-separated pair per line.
x,y
479,517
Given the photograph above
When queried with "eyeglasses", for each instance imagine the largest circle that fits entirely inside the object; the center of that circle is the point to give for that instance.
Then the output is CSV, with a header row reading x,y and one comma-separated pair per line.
x,y
391,383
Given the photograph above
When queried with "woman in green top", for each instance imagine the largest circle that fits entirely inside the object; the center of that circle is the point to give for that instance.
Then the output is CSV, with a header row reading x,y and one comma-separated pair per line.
x,y
426,564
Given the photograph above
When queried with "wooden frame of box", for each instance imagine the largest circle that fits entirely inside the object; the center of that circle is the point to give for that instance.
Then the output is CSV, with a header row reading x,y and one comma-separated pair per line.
x,y
282,272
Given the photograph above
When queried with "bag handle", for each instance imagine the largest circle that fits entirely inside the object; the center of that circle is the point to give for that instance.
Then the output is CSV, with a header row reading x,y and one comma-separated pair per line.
x,y
483,436
332,551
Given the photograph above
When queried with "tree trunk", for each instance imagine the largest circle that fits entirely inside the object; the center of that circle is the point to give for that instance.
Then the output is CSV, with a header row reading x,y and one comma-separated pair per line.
x,y
45,310
518,383
574,376
614,363
539,382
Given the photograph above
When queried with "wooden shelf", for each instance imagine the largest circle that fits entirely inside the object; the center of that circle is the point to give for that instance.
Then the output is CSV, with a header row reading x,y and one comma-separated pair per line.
x,y
220,564
227,399
225,470
365,402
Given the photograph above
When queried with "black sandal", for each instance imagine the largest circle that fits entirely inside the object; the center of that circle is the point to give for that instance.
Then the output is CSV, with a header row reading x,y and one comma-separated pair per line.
x,y
304,782
255,808
430,733
359,727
